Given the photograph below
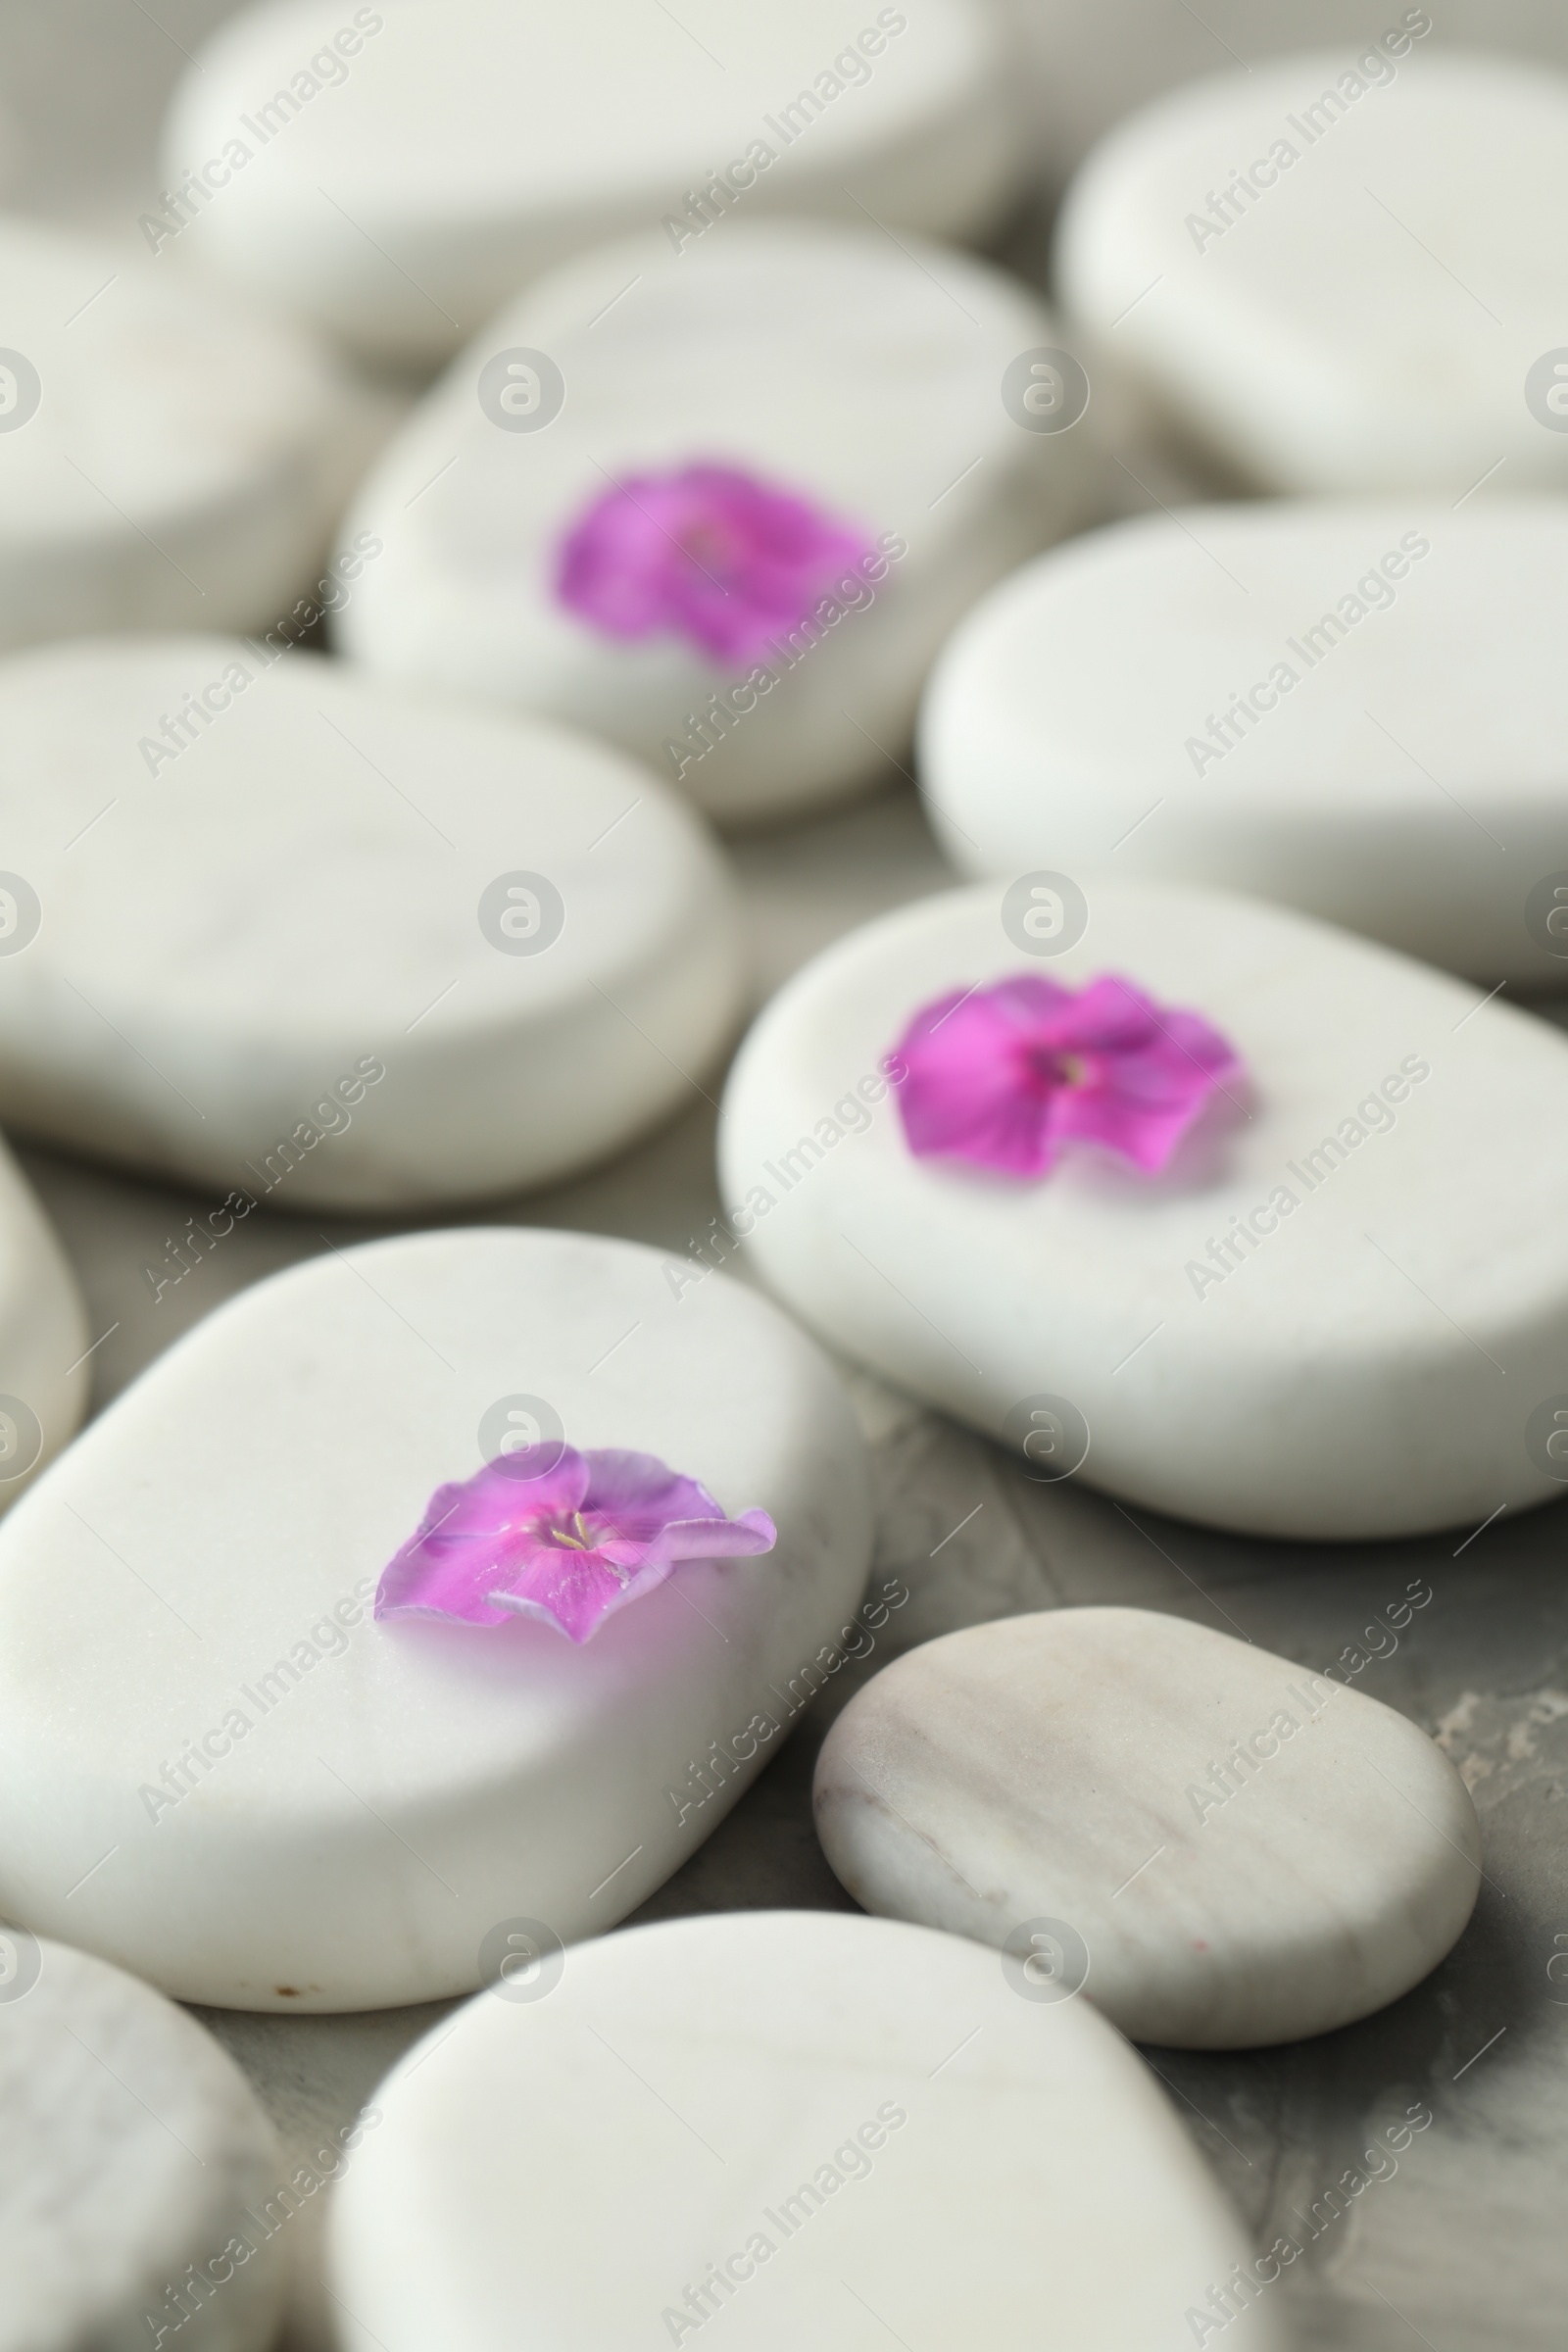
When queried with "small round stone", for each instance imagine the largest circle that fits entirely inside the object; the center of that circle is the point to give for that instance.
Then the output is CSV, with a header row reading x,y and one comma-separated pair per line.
x,y
787,2121
1218,1847
137,2173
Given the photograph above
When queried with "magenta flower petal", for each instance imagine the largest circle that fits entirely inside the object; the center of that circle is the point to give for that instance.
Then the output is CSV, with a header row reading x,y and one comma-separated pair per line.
x,y
717,1538
446,1566
965,1095
551,1476
706,553
575,1591
635,1498
570,1543
638,1492
1003,1076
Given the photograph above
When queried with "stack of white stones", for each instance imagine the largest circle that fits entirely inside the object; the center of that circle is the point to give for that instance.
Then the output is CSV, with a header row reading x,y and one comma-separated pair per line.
x,y
441,918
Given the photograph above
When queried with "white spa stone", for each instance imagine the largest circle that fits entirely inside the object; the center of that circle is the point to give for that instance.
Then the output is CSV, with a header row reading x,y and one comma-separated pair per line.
x,y
956,2159
45,1376
135,2168
408,167
1382,1354
1357,707
169,458
297,1807
1241,1851
863,375
1340,279
346,943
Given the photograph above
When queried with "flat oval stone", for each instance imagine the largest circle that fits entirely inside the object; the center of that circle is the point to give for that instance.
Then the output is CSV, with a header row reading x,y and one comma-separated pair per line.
x,y
298,1807
1292,1330
714,2089
1340,270
168,459
1354,707
397,176
366,948
44,1338
139,2180
1231,1848
786,351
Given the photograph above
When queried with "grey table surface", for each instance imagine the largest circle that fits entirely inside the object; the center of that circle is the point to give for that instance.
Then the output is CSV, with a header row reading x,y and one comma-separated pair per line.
x,y
1462,2247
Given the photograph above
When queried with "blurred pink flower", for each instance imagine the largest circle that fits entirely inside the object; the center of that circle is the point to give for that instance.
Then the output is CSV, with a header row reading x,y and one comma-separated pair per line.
x,y
1005,1076
547,1532
706,553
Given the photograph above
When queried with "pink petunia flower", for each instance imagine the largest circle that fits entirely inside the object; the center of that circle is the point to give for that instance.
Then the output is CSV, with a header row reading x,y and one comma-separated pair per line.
x,y
561,1535
706,553
1005,1076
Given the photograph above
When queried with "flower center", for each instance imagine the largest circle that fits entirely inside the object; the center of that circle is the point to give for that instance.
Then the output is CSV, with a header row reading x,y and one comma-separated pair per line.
x,y
709,545
1056,1068
571,1532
